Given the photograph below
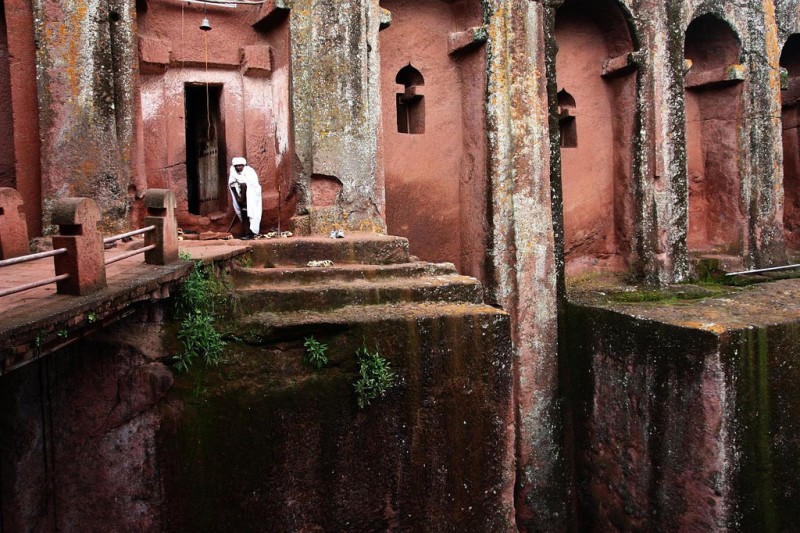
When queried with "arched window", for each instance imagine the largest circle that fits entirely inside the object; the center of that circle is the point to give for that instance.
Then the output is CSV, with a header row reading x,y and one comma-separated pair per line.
x,y
411,102
566,120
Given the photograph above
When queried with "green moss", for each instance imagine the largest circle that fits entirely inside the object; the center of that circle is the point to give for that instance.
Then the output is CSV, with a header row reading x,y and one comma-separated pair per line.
x,y
676,293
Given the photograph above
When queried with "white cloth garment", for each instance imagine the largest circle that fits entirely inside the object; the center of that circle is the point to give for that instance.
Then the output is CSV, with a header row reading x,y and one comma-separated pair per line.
x,y
248,177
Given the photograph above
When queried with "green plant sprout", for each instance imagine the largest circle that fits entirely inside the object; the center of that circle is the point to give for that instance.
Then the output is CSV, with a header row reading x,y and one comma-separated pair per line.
x,y
195,309
374,376
315,353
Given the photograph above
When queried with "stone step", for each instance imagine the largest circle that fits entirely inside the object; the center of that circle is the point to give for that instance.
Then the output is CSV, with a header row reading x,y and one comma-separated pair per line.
x,y
366,248
335,294
253,277
265,327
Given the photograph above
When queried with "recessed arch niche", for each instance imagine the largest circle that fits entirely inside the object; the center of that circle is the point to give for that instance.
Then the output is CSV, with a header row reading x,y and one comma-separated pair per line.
x,y
790,108
597,115
434,130
713,96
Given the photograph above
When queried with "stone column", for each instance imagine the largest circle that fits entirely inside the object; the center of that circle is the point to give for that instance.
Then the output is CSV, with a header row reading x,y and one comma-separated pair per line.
x,y
337,108
84,78
765,245
523,258
664,191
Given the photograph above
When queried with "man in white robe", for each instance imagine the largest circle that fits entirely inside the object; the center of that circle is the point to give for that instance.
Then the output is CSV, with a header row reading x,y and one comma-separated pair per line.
x,y
245,196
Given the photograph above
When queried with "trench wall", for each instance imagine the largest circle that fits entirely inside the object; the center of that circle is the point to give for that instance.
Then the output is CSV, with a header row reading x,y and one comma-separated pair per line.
x,y
105,435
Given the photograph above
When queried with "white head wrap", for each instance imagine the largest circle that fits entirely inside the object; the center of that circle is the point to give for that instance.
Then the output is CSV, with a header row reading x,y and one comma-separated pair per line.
x,y
238,161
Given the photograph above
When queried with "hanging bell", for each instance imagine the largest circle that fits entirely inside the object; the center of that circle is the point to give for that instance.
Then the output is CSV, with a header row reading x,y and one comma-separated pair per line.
x,y
205,25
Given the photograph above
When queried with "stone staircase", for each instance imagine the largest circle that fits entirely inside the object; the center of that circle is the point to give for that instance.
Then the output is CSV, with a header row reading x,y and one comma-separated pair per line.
x,y
370,275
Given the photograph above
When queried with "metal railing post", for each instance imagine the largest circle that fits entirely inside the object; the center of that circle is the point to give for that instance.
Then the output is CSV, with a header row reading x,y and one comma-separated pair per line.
x,y
84,260
160,204
13,229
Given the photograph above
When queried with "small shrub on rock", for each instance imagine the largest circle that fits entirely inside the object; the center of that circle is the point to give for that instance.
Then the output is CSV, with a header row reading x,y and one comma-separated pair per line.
x,y
375,377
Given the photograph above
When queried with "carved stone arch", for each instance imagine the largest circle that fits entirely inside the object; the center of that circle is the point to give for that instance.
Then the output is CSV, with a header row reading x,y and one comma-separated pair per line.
x,y
711,27
633,27
720,17
409,76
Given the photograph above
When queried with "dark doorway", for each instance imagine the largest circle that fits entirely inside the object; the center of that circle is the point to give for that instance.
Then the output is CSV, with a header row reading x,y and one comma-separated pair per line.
x,y
7,154
205,157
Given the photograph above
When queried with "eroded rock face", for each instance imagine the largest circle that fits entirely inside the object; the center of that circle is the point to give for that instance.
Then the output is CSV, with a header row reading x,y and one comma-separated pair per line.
x,y
267,442
78,448
95,436
86,82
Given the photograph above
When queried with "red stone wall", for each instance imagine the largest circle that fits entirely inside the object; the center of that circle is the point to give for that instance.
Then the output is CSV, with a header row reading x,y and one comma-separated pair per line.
x,y
21,105
436,180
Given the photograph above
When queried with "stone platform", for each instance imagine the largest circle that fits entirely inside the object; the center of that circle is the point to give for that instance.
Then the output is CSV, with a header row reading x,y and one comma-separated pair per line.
x,y
685,409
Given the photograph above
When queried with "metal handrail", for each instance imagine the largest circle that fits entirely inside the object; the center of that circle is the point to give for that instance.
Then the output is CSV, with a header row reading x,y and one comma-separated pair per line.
x,y
32,257
32,285
126,255
760,270
121,236
59,251
130,254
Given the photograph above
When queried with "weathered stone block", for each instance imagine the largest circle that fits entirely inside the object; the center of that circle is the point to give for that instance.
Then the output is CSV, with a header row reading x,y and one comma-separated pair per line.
x,y
13,230
719,76
684,413
386,19
623,64
160,204
463,41
84,261
257,61
270,12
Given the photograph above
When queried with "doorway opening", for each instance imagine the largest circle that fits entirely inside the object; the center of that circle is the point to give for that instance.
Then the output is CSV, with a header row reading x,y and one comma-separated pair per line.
x,y
205,150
